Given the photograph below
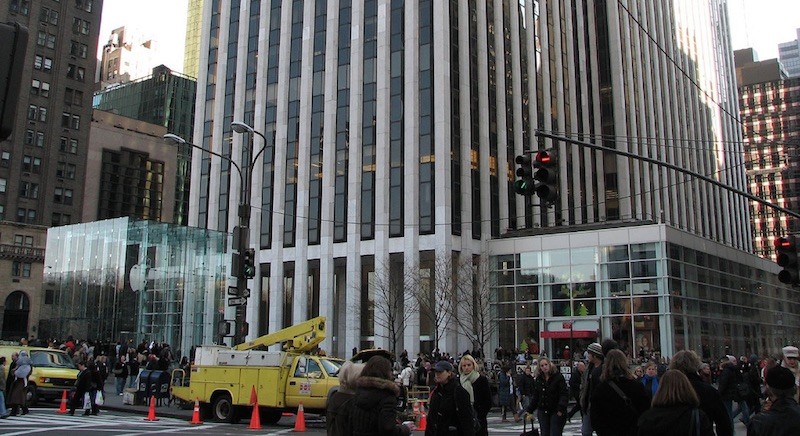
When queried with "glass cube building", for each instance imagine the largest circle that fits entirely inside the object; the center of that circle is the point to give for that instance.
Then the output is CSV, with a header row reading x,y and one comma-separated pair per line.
x,y
141,280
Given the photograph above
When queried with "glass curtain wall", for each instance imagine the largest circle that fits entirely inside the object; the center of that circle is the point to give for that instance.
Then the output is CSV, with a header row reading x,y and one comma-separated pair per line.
x,y
123,279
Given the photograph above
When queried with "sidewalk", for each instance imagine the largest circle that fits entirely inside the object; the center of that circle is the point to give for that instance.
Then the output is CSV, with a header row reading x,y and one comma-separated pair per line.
x,y
114,402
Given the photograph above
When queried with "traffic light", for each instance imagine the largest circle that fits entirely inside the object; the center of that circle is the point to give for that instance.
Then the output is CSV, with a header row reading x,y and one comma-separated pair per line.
x,y
12,62
248,263
786,247
524,185
545,164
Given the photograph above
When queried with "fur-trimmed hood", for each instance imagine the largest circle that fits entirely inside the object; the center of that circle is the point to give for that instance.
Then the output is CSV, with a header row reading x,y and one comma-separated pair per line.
x,y
377,383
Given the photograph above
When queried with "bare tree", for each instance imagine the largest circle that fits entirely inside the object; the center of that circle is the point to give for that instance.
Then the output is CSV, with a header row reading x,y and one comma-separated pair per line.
x,y
392,311
387,305
435,292
476,318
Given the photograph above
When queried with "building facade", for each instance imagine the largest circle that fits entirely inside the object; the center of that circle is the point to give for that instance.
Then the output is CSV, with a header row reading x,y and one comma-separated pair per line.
x,y
131,170
163,98
21,266
128,55
390,130
769,106
651,287
789,55
194,21
126,279
53,114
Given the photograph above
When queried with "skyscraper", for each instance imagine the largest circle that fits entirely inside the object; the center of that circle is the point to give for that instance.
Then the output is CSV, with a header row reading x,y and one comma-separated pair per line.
x,y
391,127
194,20
127,56
769,103
54,111
789,55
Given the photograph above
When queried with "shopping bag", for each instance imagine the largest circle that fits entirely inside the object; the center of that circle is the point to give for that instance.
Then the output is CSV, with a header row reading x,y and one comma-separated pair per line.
x,y
98,399
87,401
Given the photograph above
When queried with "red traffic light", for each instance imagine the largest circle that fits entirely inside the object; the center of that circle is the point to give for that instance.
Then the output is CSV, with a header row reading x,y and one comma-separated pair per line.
x,y
781,242
544,158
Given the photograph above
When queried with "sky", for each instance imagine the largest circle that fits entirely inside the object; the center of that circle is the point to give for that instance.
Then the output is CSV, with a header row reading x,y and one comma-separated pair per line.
x,y
761,24
167,26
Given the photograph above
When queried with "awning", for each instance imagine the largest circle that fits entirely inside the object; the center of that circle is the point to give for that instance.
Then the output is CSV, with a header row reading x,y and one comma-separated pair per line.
x,y
566,334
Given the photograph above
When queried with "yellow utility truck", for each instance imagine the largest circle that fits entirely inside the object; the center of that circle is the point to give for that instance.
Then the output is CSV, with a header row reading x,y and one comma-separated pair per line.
x,y
223,378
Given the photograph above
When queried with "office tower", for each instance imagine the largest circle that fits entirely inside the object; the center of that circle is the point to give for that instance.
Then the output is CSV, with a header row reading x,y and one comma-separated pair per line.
x,y
127,55
164,98
194,20
390,130
789,55
54,111
769,104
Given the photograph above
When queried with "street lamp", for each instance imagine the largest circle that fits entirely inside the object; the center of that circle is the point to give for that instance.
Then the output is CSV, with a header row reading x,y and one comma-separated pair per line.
x,y
243,232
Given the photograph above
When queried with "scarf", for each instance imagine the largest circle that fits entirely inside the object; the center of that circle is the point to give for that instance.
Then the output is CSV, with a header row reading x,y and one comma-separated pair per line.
x,y
654,383
466,383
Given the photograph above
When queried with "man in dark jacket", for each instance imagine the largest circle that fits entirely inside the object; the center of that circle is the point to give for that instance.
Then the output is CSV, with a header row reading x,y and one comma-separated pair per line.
x,y
450,410
83,383
575,388
688,362
783,416
590,380
729,382
525,384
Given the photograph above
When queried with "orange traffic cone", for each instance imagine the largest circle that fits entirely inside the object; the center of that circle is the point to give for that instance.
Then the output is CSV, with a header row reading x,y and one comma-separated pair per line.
x,y
196,413
300,422
151,415
63,408
255,418
423,422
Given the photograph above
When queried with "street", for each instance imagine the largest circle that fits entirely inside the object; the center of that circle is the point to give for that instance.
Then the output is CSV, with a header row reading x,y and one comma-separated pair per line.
x,y
47,421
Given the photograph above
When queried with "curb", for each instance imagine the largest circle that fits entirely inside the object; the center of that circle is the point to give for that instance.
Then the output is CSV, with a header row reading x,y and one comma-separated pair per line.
x,y
166,413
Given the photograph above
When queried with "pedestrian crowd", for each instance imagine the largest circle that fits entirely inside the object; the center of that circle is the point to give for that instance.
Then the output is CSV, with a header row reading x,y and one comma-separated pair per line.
x,y
614,395
95,361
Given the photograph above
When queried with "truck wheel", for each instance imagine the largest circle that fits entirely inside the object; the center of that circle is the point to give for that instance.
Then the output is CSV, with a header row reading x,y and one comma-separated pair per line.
x,y
222,409
270,416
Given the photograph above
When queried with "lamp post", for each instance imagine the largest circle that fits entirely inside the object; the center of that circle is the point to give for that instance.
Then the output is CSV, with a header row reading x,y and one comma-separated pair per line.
x,y
242,234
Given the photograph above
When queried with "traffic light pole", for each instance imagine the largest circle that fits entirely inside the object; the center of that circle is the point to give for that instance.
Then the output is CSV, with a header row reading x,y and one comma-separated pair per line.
x,y
669,166
242,329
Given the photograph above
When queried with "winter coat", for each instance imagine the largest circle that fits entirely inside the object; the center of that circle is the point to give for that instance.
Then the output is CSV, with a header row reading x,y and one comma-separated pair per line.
x,y
673,420
575,384
526,385
373,412
337,419
550,396
782,419
728,380
483,398
590,381
505,395
711,403
608,412
449,412
120,370
83,383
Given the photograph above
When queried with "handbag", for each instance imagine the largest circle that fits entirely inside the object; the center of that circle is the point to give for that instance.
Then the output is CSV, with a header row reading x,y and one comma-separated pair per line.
x,y
625,399
98,399
87,401
533,432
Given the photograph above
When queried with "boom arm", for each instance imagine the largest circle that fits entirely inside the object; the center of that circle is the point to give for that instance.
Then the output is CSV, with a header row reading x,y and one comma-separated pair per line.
x,y
301,337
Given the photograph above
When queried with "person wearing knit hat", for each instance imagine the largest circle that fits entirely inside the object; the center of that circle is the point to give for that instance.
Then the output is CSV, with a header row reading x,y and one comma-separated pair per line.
x,y
783,414
590,380
790,362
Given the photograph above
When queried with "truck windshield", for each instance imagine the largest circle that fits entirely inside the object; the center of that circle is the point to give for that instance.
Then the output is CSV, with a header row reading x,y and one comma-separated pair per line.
x,y
51,359
331,366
